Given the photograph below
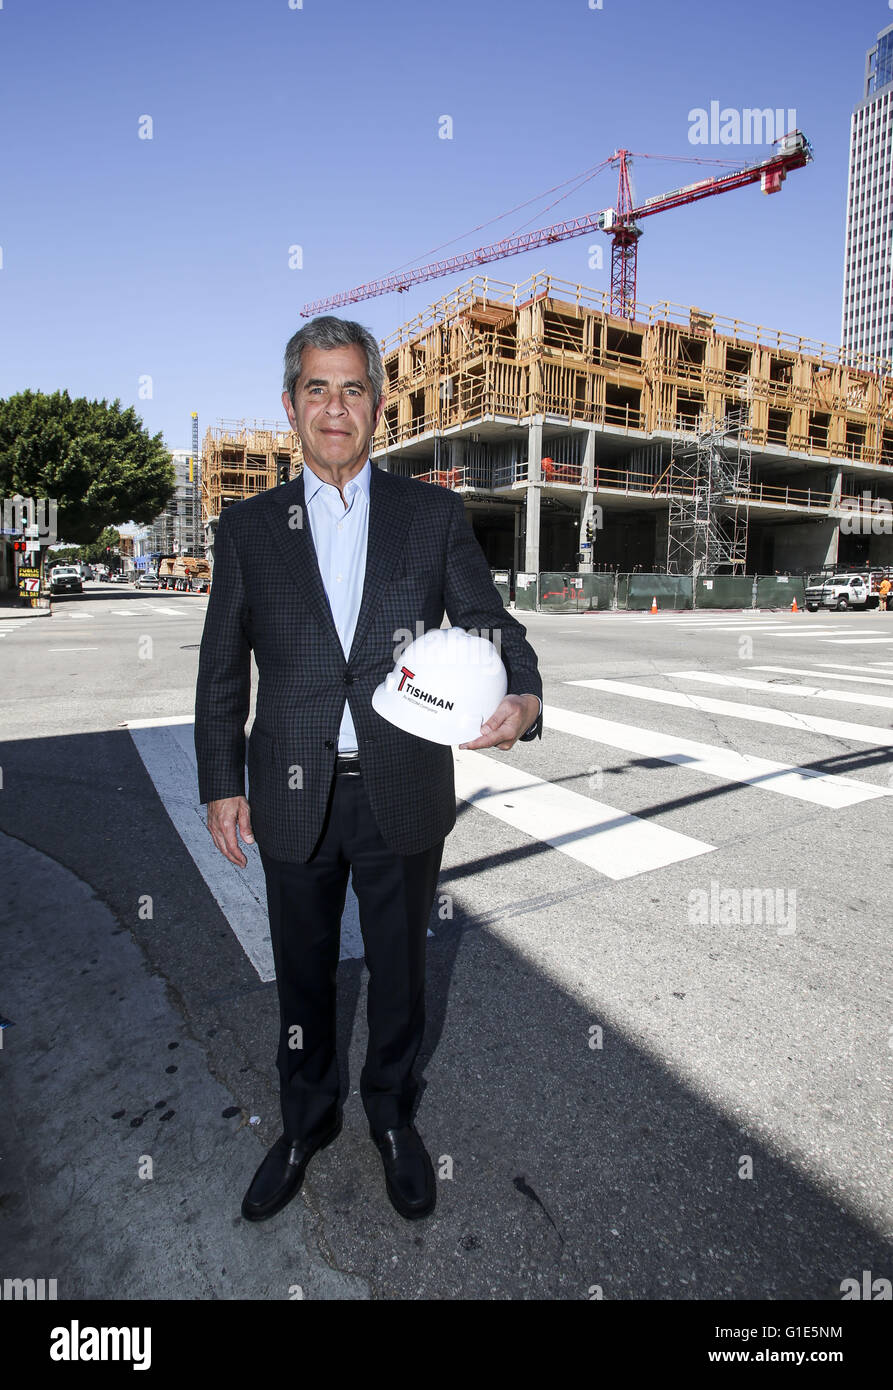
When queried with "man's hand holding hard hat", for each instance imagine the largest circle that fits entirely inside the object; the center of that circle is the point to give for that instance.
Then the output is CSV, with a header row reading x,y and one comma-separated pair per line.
x,y
444,688
512,718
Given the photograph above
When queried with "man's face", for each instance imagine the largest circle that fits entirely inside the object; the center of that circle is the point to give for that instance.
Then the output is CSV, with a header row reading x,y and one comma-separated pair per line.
x,y
332,410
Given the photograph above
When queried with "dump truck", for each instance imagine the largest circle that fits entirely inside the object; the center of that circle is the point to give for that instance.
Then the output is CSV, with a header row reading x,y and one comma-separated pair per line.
x,y
186,573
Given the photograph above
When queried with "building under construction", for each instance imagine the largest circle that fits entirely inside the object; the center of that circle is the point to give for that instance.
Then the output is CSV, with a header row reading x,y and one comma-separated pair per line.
x,y
241,458
677,440
686,441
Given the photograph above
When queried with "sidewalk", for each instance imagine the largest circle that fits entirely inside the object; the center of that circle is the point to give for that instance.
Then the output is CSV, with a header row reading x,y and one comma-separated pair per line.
x,y
124,1160
9,610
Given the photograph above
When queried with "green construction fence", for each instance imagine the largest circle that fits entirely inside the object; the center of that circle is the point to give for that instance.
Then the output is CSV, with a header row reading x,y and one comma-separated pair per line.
x,y
672,591
780,590
558,591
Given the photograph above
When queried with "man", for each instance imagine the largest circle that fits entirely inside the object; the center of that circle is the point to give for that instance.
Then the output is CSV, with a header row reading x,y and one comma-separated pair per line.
x,y
323,577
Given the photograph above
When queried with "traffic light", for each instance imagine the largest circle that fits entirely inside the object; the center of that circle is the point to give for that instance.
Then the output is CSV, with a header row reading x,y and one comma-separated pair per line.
x,y
589,531
20,545
284,472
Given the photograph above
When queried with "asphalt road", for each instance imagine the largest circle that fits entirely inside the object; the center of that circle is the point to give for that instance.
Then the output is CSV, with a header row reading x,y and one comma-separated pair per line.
x,y
658,1051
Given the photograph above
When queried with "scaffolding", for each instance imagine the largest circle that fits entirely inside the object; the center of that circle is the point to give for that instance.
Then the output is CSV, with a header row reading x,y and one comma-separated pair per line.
x,y
708,515
240,459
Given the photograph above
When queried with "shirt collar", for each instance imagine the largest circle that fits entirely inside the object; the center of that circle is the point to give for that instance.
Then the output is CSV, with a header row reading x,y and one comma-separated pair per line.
x,y
313,482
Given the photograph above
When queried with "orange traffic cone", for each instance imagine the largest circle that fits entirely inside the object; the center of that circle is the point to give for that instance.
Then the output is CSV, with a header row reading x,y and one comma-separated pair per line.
x,y
654,604
794,608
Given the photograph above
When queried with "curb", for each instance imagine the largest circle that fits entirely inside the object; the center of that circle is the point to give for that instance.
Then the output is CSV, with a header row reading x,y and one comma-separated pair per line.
x,y
18,613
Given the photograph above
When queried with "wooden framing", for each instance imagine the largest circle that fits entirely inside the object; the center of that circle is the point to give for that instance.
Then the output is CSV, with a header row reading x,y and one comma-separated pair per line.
x,y
549,348
240,459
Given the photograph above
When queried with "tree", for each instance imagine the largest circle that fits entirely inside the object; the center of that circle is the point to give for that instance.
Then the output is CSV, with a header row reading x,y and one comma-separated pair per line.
x,y
97,460
65,555
96,550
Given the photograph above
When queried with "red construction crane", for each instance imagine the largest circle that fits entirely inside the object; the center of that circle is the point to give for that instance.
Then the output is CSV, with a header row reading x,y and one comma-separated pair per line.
x,y
620,222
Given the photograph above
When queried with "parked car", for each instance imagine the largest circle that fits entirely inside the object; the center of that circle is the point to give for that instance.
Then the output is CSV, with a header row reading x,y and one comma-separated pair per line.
x,y
148,580
65,579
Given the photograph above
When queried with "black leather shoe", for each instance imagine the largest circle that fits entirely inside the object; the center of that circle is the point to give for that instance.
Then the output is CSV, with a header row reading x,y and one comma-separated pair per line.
x,y
408,1171
279,1177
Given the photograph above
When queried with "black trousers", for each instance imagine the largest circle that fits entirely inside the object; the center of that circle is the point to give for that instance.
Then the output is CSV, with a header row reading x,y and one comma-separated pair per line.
x,y
305,901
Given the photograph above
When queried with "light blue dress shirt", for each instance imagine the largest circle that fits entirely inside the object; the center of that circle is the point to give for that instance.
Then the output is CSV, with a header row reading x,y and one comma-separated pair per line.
x,y
339,535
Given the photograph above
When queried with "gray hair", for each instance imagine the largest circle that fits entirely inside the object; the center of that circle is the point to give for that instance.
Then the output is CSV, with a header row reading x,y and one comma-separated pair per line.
x,y
329,332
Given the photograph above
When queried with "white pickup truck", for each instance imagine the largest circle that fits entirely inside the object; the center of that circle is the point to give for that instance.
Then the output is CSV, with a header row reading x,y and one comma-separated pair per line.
x,y
842,591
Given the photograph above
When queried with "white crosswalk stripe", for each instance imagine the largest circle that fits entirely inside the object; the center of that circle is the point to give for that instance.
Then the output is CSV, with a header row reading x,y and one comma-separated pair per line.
x,y
837,675
611,842
821,634
835,728
168,754
802,692
615,843
787,780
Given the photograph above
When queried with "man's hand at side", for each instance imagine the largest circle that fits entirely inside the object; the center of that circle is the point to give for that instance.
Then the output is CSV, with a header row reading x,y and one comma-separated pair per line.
x,y
223,819
512,717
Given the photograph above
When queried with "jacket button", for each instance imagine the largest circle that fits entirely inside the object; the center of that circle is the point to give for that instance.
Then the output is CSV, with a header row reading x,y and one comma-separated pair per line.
x,y
349,678
330,743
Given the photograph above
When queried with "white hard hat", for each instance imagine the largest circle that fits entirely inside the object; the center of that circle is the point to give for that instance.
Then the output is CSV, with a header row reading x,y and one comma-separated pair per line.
x,y
444,686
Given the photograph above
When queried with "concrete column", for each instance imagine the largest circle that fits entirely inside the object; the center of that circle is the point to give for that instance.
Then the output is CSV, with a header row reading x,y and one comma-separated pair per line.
x,y
534,480
457,456
661,536
588,479
532,548
837,488
588,510
535,450
833,548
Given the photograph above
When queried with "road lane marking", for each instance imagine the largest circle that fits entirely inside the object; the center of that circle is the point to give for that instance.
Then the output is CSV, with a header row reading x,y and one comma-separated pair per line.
x,y
821,789
855,641
73,649
612,842
804,692
758,714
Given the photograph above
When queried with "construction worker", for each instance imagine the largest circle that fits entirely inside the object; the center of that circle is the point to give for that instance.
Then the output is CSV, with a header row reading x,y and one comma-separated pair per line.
x,y
884,593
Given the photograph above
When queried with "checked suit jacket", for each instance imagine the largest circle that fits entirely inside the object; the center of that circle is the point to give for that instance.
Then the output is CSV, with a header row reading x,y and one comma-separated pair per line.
x,y
267,595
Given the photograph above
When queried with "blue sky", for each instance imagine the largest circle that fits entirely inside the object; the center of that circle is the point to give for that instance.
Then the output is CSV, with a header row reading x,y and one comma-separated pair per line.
x,y
126,258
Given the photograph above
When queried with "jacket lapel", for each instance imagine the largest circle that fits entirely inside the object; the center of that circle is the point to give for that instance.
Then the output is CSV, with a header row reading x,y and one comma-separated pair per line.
x,y
389,517
295,549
